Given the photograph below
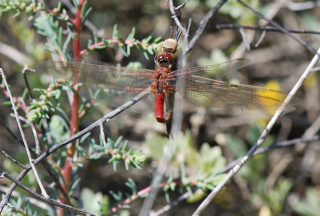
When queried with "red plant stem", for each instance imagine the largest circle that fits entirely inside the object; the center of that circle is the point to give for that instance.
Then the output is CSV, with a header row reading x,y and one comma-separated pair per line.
x,y
74,124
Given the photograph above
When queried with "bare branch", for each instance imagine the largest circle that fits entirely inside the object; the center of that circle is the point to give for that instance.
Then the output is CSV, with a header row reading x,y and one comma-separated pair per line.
x,y
43,191
34,133
32,200
263,28
44,199
285,31
203,24
14,160
244,39
261,38
102,134
24,75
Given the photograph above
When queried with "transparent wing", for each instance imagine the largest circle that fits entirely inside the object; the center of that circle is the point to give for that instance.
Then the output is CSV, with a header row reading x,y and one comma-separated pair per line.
x,y
216,71
117,84
202,92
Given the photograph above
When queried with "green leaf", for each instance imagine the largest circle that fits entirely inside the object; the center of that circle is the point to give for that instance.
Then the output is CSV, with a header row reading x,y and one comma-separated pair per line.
x,y
115,165
95,156
127,164
95,37
74,185
66,42
236,146
170,179
166,194
111,143
62,112
89,43
92,201
115,31
147,39
183,172
145,55
132,34
19,202
84,137
98,148
75,3
173,186
132,185
118,142
125,146
156,40
122,50
16,14
128,49
105,42
150,50
253,133
83,9
189,191
85,17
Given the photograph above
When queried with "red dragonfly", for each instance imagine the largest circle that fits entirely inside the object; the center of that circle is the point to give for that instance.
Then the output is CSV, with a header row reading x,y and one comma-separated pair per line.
x,y
192,87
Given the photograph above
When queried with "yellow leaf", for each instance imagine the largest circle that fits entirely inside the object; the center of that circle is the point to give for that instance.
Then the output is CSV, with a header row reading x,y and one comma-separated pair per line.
x,y
311,81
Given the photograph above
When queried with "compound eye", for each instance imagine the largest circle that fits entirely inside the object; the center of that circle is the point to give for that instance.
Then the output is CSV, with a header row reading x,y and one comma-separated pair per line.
x,y
170,45
160,50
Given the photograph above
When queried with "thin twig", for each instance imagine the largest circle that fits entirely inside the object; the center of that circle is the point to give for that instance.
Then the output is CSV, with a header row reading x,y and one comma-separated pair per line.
x,y
32,200
203,24
34,133
167,207
263,28
24,75
43,191
299,6
285,31
42,198
10,132
261,139
103,137
260,38
244,39
14,160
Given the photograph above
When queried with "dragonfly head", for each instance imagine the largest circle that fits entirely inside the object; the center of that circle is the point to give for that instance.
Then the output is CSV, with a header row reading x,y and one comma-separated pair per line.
x,y
167,53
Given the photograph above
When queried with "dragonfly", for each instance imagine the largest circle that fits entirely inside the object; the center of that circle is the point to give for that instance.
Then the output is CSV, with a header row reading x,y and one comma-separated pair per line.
x,y
187,87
